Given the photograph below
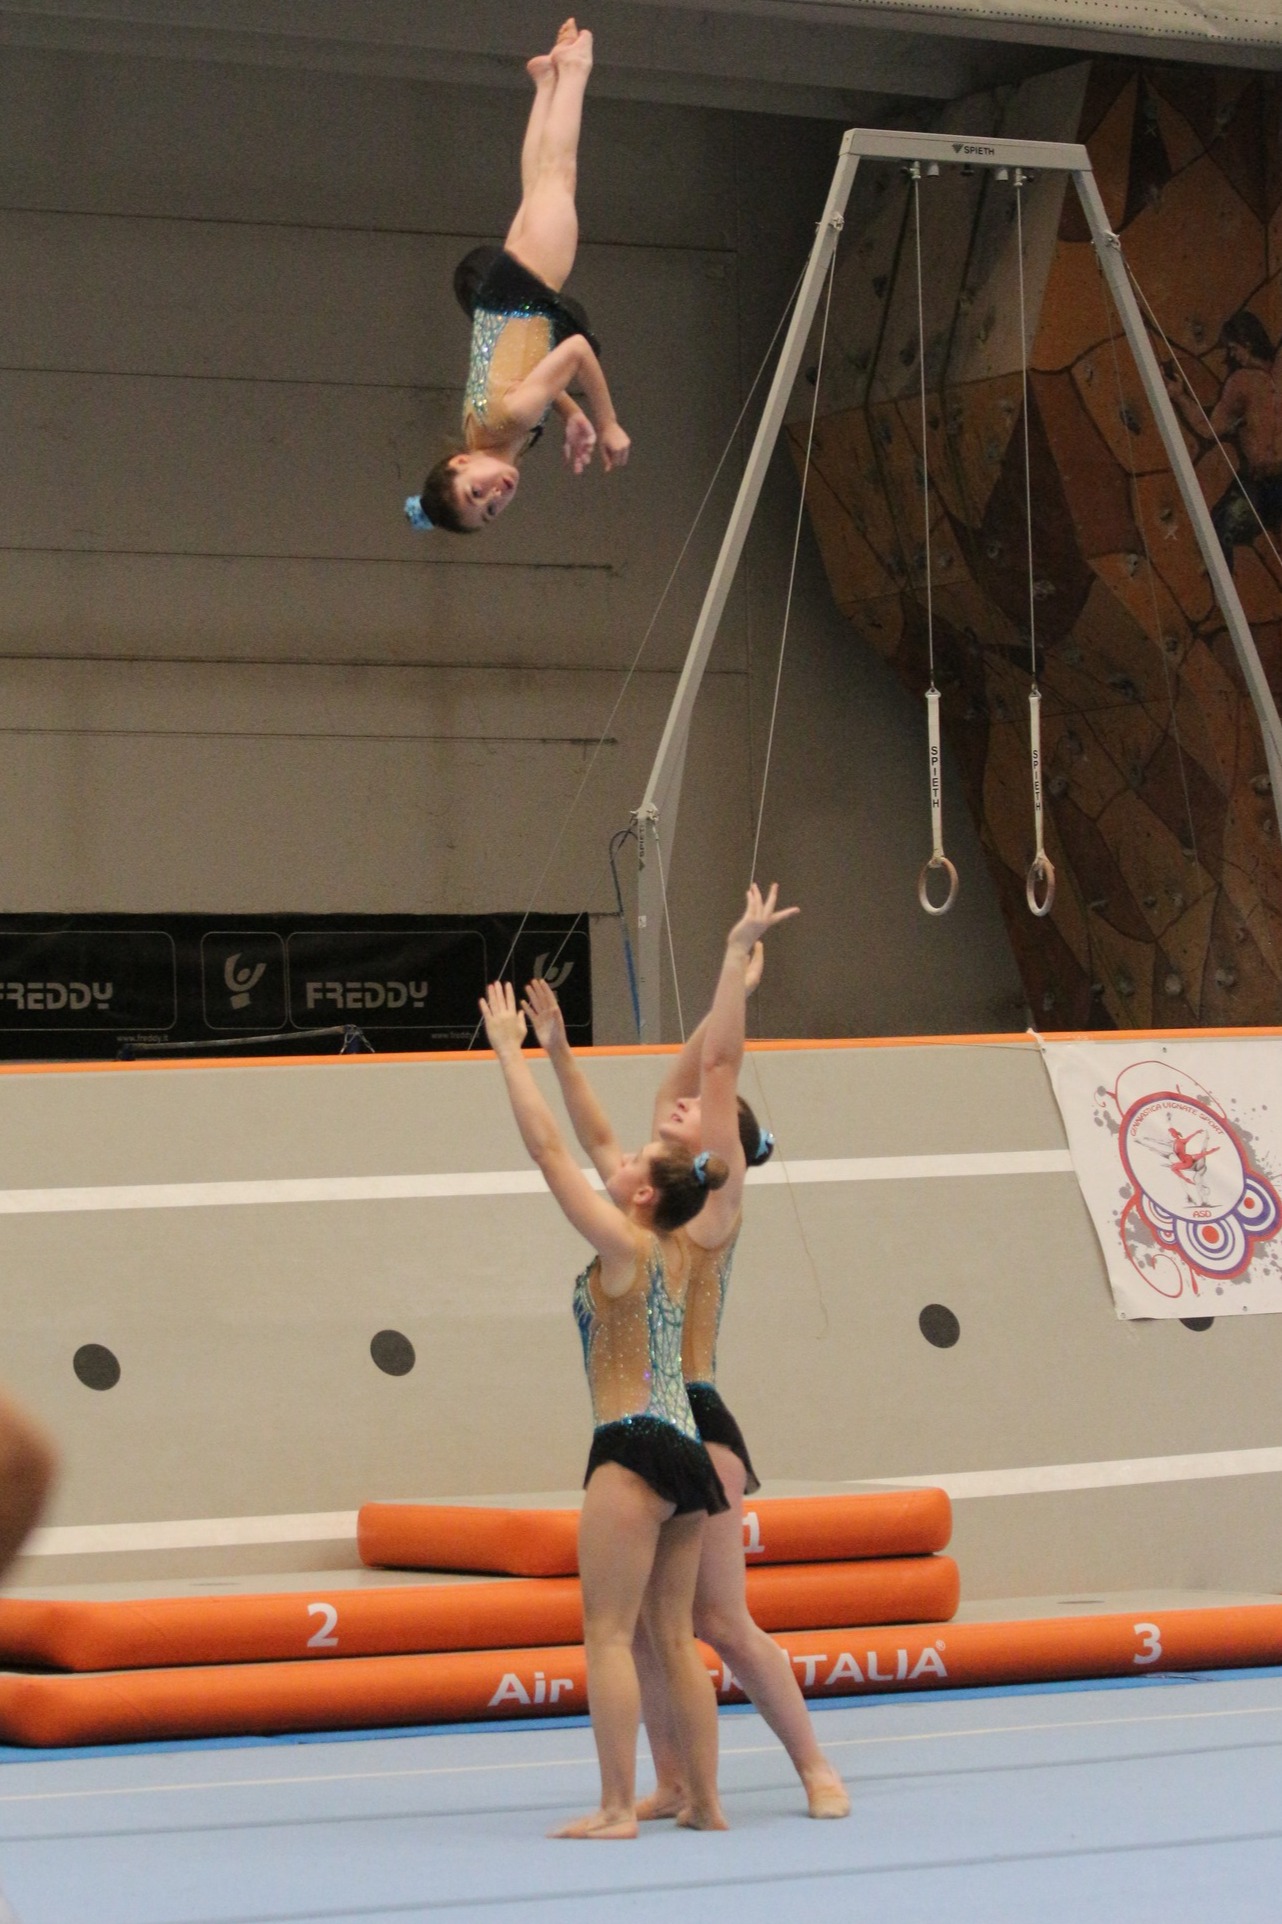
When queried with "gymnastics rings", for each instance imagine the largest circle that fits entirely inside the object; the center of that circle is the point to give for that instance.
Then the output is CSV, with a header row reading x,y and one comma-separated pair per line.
x,y
923,896
1042,870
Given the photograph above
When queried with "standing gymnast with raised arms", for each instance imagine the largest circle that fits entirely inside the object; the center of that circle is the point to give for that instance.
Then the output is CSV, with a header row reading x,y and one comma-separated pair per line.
x,y
530,342
698,1107
650,1483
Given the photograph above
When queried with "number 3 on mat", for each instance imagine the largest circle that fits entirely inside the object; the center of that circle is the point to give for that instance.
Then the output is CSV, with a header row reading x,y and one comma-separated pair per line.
x,y
325,1638
1151,1648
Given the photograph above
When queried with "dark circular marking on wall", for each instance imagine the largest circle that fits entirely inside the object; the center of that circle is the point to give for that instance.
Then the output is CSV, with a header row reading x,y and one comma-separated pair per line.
x,y
939,1326
1197,1322
393,1352
96,1367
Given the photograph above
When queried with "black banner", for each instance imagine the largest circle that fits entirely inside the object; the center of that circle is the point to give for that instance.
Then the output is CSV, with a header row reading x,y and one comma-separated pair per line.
x,y
82,986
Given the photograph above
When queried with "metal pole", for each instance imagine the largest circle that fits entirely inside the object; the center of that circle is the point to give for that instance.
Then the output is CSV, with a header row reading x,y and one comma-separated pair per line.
x,y
1109,249
658,811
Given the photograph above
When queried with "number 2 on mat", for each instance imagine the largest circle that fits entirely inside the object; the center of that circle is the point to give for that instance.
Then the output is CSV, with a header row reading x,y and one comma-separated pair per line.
x,y
1151,1649
325,1638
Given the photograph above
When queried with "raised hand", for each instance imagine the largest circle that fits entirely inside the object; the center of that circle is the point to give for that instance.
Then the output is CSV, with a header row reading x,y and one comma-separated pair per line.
x,y
615,447
504,1023
759,916
580,441
544,1012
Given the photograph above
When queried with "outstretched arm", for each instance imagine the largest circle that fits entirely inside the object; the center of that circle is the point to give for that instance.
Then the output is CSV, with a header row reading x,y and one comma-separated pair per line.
x,y
723,1056
591,1124
574,360
682,1078
595,1217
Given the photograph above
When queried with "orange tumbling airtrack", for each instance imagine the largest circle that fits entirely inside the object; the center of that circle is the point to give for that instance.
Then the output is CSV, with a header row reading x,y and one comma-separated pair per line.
x,y
369,1692
152,1631
544,1543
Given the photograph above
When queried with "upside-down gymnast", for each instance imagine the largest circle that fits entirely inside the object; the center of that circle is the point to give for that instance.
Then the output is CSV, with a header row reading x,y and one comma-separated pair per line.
x,y
530,342
650,1483
698,1107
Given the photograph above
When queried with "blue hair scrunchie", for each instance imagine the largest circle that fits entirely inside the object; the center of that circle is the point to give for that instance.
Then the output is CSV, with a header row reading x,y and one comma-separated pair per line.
x,y
701,1168
415,516
765,1143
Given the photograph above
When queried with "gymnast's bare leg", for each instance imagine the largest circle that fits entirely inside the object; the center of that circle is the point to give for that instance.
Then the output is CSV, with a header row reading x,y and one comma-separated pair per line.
x,y
722,1619
630,1543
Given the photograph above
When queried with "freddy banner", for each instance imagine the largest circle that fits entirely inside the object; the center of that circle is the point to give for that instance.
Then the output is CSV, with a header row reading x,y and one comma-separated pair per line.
x,y
86,986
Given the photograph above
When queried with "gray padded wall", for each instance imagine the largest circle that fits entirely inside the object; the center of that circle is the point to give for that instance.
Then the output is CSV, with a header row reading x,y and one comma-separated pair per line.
x,y
232,680
247,1387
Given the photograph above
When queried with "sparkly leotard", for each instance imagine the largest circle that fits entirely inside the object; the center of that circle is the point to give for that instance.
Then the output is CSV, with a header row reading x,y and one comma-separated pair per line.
x,y
632,1355
706,1293
505,348
517,319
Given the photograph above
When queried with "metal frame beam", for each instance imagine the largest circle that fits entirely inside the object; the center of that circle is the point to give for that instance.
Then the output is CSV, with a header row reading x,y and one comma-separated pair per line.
x,y
656,817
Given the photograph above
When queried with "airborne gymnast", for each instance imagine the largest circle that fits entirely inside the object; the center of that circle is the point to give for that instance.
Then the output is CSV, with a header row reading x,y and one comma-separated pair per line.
x,y
698,1107
530,342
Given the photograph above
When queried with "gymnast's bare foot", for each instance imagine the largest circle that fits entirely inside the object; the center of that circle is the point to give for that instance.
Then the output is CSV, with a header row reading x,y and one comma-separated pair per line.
x,y
540,69
599,1825
573,53
568,32
694,1816
662,1802
826,1795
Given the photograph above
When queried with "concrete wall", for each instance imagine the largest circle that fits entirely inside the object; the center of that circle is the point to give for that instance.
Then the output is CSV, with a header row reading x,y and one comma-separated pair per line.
x,y
231,679
242,1326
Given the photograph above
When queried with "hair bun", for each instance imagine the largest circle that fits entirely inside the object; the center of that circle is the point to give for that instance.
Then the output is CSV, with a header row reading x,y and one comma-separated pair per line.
x,y
716,1172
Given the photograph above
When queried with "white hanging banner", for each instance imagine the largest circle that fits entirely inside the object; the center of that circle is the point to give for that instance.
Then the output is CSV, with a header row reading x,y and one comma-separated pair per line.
x,y
1178,1149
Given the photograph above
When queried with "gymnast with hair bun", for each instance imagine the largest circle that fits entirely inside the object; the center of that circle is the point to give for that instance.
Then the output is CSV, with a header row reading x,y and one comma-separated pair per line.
x,y
530,342
650,1484
698,1108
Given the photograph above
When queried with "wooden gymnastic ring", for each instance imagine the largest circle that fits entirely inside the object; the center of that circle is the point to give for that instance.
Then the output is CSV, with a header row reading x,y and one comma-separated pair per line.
x,y
1042,870
937,861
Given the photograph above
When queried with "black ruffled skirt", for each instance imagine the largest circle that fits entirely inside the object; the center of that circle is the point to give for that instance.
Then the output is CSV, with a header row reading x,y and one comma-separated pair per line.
x,y
676,1467
492,278
717,1425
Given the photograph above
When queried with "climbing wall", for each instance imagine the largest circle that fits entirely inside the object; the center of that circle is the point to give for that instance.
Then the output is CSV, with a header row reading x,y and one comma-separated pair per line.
x,y
1161,823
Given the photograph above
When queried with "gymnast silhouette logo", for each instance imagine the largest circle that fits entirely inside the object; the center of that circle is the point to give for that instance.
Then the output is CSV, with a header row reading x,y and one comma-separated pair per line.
x,y
547,971
242,982
1197,1207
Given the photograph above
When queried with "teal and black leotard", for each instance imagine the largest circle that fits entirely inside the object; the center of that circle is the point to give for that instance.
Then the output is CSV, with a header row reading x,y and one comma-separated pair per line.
x,y
632,1355
500,294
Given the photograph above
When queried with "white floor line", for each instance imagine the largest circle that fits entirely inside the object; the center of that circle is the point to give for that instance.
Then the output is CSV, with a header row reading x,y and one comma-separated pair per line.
x,y
575,1763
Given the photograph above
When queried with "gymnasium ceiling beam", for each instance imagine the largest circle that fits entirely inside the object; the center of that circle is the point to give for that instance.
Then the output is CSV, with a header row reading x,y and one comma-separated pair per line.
x,y
852,60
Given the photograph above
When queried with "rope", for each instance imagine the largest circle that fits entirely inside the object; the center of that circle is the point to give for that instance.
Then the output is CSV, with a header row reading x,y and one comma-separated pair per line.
x,y
667,923
1151,573
937,859
1041,871
645,641
792,571
1175,362
1189,389
616,843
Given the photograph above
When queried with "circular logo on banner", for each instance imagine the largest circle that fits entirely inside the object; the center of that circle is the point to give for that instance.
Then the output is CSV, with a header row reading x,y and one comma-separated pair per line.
x,y
1194,1184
